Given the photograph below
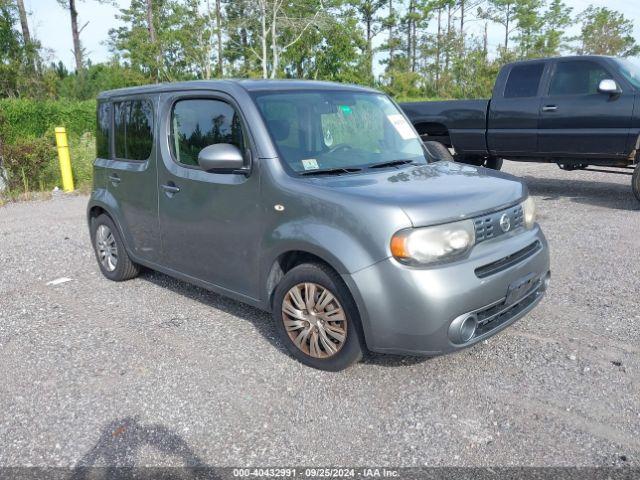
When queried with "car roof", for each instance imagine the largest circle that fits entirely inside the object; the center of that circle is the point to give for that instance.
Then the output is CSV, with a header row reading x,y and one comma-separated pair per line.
x,y
230,84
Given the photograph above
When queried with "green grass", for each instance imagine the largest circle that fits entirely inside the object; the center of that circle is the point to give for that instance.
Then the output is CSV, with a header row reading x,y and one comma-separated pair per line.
x,y
82,151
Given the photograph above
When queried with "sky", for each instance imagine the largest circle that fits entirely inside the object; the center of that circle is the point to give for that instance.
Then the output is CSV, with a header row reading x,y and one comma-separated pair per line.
x,y
51,25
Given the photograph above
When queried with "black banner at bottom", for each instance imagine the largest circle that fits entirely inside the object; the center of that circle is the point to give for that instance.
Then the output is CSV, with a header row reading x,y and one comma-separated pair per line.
x,y
224,473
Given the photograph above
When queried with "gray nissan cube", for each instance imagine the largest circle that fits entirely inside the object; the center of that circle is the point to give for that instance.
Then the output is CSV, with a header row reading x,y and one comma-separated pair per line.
x,y
319,203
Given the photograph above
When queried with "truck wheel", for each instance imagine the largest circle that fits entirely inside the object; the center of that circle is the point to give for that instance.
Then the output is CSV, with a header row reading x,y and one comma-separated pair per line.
x,y
317,318
438,151
570,167
635,182
493,163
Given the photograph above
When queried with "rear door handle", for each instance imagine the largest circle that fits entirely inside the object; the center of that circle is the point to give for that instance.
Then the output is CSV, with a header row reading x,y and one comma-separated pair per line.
x,y
170,189
115,179
549,108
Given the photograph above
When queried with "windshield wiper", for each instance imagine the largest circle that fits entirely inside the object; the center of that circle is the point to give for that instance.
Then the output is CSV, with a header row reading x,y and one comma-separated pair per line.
x,y
390,163
331,171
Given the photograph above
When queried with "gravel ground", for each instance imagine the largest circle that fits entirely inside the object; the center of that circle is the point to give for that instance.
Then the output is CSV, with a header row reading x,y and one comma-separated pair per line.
x,y
157,372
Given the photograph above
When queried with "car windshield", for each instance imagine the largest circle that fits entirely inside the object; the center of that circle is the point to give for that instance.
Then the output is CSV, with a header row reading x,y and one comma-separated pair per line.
x,y
339,131
630,69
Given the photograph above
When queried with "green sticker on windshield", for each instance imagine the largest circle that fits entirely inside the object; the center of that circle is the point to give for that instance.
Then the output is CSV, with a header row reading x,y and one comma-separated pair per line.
x,y
346,109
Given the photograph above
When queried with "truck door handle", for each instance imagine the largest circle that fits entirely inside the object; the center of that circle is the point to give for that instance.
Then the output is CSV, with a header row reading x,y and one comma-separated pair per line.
x,y
114,179
549,108
170,189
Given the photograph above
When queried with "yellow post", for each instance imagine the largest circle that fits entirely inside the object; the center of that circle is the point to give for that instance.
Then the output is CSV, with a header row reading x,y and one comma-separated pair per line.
x,y
65,159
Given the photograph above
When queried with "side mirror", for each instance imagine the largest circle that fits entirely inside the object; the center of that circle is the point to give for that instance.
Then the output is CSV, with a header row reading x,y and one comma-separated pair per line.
x,y
608,86
221,156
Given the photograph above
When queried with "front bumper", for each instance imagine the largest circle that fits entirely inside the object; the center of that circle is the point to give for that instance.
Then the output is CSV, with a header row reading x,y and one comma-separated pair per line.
x,y
409,310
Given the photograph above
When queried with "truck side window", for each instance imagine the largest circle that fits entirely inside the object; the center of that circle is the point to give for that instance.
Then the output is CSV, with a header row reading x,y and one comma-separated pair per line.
x,y
580,77
133,132
198,123
102,130
523,80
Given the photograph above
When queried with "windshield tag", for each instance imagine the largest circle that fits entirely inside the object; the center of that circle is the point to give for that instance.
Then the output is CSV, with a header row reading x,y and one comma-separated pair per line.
x,y
402,126
310,164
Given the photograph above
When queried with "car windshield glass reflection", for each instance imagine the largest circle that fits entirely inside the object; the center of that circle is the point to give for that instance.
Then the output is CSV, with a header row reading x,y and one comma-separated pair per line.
x,y
630,69
329,130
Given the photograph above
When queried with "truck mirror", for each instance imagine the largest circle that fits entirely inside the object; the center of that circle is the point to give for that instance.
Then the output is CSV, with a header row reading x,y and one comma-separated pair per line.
x,y
608,86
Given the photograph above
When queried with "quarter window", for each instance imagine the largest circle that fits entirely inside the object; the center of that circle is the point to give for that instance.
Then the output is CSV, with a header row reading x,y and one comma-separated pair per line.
x,y
102,130
133,132
577,78
523,80
196,124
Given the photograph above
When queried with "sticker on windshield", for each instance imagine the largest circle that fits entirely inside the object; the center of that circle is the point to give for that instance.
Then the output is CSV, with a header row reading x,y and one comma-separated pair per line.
x,y
402,126
310,164
328,138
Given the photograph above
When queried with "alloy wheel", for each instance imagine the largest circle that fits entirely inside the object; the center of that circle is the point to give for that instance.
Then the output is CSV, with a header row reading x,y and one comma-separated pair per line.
x,y
106,248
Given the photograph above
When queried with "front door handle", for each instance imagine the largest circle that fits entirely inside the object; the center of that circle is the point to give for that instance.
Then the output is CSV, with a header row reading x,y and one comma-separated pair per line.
x,y
549,108
170,189
114,179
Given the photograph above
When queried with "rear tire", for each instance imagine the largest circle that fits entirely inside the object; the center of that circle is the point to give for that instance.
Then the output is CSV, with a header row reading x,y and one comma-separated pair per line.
x,y
438,151
493,163
112,256
478,161
317,318
635,182
570,167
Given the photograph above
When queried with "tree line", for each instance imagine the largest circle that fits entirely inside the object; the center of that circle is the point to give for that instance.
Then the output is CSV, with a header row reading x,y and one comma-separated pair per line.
x,y
409,48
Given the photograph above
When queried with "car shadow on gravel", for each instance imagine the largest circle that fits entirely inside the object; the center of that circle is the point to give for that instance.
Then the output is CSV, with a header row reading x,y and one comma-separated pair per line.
x,y
615,196
259,319
388,360
121,442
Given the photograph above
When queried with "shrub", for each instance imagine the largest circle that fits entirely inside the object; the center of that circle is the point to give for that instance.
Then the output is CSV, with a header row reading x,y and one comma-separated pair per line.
x,y
25,118
83,152
26,164
27,142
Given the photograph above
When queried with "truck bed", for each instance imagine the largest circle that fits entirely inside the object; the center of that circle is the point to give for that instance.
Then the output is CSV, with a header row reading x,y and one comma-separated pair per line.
x,y
462,121
456,113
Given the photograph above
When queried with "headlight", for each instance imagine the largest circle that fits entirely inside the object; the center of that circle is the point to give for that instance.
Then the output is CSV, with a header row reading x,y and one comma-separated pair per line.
x,y
427,245
529,213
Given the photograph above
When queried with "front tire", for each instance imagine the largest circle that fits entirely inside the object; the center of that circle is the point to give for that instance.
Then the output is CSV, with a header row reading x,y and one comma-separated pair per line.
x,y
494,163
317,318
113,260
635,182
438,151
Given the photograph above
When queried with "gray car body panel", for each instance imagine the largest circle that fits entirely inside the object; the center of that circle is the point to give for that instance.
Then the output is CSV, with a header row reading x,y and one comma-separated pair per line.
x,y
225,232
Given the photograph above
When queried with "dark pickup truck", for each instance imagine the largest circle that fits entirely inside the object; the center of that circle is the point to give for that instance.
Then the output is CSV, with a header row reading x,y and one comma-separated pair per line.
x,y
577,112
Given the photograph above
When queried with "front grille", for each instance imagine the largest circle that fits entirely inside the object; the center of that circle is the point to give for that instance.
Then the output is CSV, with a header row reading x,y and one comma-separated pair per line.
x,y
497,314
509,260
488,226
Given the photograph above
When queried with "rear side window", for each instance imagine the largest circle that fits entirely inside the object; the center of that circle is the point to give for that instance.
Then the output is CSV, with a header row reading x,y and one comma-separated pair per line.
x,y
523,81
198,123
133,129
102,130
577,78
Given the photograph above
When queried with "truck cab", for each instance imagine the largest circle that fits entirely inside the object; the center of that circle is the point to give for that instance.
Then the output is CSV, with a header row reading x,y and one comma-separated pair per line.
x,y
577,111
557,109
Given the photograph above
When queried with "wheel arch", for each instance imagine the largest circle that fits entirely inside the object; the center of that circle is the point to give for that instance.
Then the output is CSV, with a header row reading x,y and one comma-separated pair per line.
x,y
433,130
95,208
291,258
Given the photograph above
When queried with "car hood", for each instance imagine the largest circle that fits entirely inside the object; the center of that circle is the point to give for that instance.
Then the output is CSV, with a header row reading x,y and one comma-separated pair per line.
x,y
434,193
